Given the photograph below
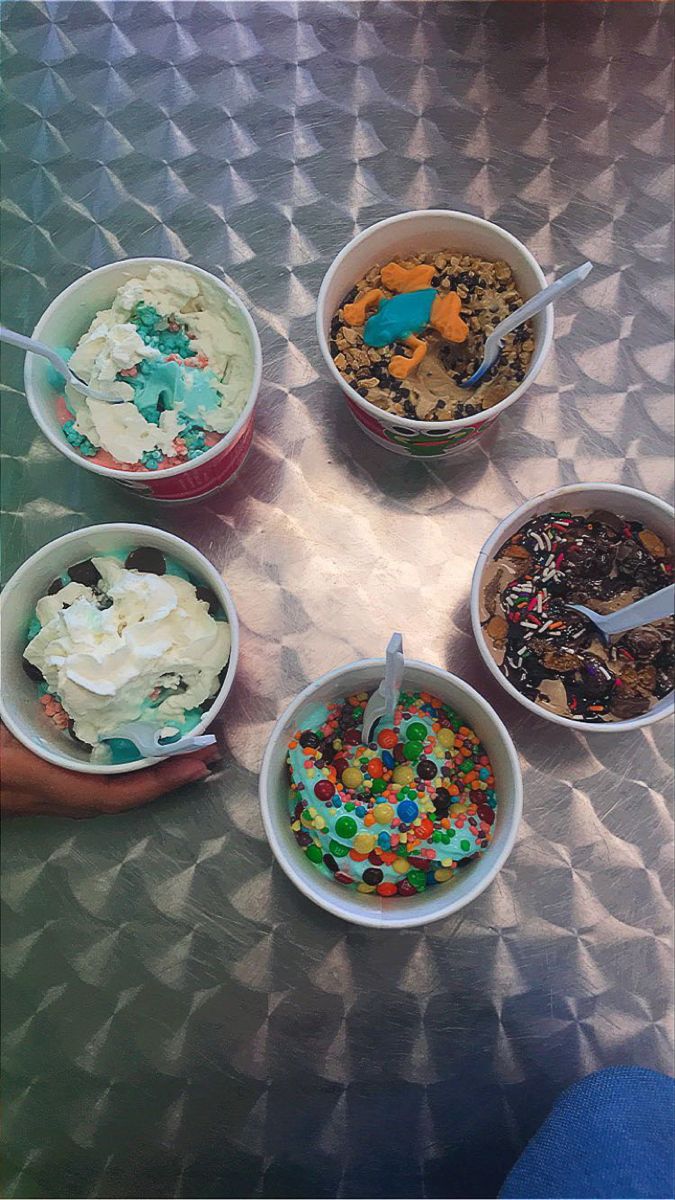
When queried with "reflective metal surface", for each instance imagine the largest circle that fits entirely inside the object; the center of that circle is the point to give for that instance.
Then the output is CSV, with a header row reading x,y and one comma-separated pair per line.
x,y
178,1020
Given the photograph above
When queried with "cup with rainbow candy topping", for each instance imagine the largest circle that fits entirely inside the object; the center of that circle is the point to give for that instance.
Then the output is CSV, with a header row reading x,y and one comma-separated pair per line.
x,y
405,829
179,348
403,311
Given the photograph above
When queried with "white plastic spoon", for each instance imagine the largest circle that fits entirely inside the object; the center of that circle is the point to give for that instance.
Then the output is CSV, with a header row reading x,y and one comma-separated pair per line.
x,y
493,344
59,364
382,703
146,739
642,612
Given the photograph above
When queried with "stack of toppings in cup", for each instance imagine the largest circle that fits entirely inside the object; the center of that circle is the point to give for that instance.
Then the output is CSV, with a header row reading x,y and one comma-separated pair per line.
x,y
176,352
412,330
120,638
551,653
396,815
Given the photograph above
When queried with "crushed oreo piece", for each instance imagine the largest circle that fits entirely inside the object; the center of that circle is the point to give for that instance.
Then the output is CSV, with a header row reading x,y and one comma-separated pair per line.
x,y
147,559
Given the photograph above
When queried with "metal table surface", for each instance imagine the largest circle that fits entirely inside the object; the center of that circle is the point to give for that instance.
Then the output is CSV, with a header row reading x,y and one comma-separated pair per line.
x,y
178,1020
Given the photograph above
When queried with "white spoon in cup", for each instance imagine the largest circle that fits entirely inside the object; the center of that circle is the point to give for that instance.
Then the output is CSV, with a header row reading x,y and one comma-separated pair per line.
x,y
493,343
147,740
382,703
650,608
59,364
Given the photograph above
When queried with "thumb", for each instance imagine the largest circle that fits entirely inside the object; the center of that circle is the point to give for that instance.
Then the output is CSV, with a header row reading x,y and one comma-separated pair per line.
x,y
121,792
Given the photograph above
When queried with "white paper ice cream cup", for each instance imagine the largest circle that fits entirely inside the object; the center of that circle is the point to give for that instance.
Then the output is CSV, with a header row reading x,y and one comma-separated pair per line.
x,y
577,497
64,322
19,704
409,233
397,912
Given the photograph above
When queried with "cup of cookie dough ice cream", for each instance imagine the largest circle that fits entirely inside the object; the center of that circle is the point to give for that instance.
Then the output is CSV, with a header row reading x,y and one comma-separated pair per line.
x,y
179,349
600,545
109,625
404,828
402,317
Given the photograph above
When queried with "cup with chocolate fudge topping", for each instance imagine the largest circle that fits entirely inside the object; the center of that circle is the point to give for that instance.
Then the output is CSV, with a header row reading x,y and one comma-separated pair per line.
x,y
603,546
402,318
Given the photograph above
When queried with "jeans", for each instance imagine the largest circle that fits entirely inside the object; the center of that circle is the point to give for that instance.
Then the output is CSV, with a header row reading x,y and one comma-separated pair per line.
x,y
610,1136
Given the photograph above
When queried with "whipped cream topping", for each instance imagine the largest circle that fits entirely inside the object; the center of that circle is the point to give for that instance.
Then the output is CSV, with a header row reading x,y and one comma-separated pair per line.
x,y
106,664
112,344
124,432
109,346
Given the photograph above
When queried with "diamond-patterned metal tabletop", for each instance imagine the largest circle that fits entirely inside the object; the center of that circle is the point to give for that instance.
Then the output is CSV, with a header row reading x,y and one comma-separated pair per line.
x,y
178,1020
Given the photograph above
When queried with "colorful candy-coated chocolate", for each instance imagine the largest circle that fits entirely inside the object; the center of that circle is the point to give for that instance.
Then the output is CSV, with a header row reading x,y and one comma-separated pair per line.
x,y
387,739
383,814
398,815
403,775
352,777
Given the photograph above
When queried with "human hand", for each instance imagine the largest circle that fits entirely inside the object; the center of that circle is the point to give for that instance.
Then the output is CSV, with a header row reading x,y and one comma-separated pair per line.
x,y
32,787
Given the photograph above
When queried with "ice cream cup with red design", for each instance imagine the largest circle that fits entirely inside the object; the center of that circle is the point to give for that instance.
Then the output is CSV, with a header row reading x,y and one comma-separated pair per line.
x,y
64,322
421,232
397,912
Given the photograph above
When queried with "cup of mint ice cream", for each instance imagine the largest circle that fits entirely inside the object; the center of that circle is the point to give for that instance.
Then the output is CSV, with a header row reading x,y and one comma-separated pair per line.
x,y
110,625
179,350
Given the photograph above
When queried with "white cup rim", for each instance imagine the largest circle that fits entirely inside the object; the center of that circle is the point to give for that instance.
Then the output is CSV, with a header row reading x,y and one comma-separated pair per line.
x,y
416,426
493,543
167,472
364,917
172,543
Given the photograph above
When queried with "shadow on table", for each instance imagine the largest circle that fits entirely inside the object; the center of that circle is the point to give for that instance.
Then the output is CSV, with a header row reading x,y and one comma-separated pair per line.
x,y
398,477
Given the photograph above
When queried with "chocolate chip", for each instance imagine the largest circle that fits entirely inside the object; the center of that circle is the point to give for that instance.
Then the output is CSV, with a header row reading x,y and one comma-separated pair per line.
x,y
85,573
427,769
442,799
71,731
209,597
146,559
55,586
644,643
372,876
32,671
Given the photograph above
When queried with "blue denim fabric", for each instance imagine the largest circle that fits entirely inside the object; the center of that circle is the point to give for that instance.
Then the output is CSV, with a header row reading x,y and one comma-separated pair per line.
x,y
609,1137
